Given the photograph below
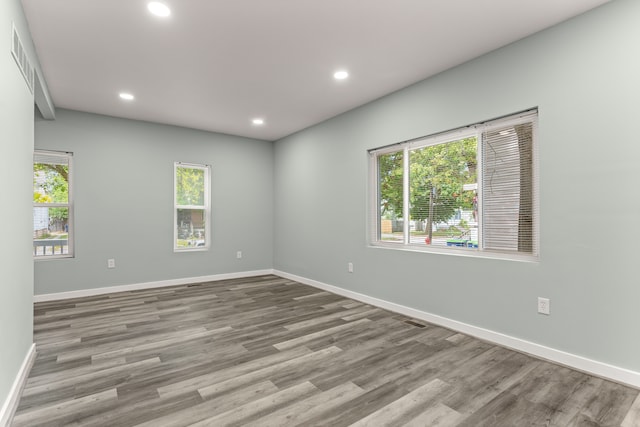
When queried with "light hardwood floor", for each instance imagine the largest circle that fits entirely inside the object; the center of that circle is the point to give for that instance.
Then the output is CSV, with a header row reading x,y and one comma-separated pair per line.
x,y
266,351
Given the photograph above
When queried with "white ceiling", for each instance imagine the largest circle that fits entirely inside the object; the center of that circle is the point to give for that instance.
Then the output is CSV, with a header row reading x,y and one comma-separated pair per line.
x,y
217,64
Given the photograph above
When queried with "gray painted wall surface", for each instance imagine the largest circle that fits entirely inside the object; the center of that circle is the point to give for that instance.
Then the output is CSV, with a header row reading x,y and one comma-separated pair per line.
x,y
16,143
584,75
123,190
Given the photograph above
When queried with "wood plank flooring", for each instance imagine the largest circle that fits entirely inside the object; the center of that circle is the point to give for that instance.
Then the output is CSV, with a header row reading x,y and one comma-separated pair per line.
x,y
266,351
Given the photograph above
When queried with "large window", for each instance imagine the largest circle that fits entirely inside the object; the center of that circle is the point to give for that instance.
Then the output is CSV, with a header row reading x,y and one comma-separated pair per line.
x,y
52,205
191,207
469,190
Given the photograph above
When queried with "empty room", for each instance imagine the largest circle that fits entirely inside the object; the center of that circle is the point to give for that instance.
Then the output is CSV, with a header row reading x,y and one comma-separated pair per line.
x,y
320,213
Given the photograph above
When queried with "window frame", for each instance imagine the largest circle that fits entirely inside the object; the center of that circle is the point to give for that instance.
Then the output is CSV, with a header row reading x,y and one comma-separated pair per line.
x,y
475,130
206,207
69,205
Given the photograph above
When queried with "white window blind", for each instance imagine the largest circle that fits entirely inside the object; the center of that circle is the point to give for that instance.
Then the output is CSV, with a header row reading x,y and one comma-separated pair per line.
x,y
508,199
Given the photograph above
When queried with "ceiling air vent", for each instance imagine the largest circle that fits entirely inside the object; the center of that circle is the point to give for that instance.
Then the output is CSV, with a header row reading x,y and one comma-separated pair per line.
x,y
17,50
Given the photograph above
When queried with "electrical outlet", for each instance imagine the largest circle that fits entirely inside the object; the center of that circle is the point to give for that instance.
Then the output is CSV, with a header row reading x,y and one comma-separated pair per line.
x,y
239,255
111,263
544,306
350,267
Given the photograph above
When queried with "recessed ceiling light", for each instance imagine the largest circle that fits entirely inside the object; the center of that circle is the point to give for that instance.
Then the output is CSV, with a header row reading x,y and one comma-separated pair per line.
x,y
158,8
126,96
257,122
340,75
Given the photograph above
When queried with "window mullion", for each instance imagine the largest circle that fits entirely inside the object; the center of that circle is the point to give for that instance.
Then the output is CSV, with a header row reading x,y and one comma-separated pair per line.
x,y
201,207
479,181
405,198
50,205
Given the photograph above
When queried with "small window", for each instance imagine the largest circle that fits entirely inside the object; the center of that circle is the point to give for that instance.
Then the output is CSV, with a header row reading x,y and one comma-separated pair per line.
x,y
469,190
191,207
52,205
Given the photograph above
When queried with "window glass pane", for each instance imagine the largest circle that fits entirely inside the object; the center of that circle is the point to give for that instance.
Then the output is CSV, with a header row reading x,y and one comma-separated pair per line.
x,y
390,196
50,231
442,194
191,228
190,186
51,181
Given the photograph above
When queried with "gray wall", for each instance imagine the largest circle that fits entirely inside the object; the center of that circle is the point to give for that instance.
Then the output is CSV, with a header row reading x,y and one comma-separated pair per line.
x,y
584,75
16,143
123,190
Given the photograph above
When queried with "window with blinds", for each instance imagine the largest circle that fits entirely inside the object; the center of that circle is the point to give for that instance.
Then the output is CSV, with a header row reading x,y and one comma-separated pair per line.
x,y
470,190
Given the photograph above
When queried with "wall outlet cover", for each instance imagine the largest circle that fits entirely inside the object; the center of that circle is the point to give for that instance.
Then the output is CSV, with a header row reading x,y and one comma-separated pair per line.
x,y
544,306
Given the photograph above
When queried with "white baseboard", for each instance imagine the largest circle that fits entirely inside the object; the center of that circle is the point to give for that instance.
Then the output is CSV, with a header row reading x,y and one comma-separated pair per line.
x,y
148,285
11,403
592,367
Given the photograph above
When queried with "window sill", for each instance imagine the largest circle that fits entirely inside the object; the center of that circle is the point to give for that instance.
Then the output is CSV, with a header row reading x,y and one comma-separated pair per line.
x,y
461,252
52,257
200,249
